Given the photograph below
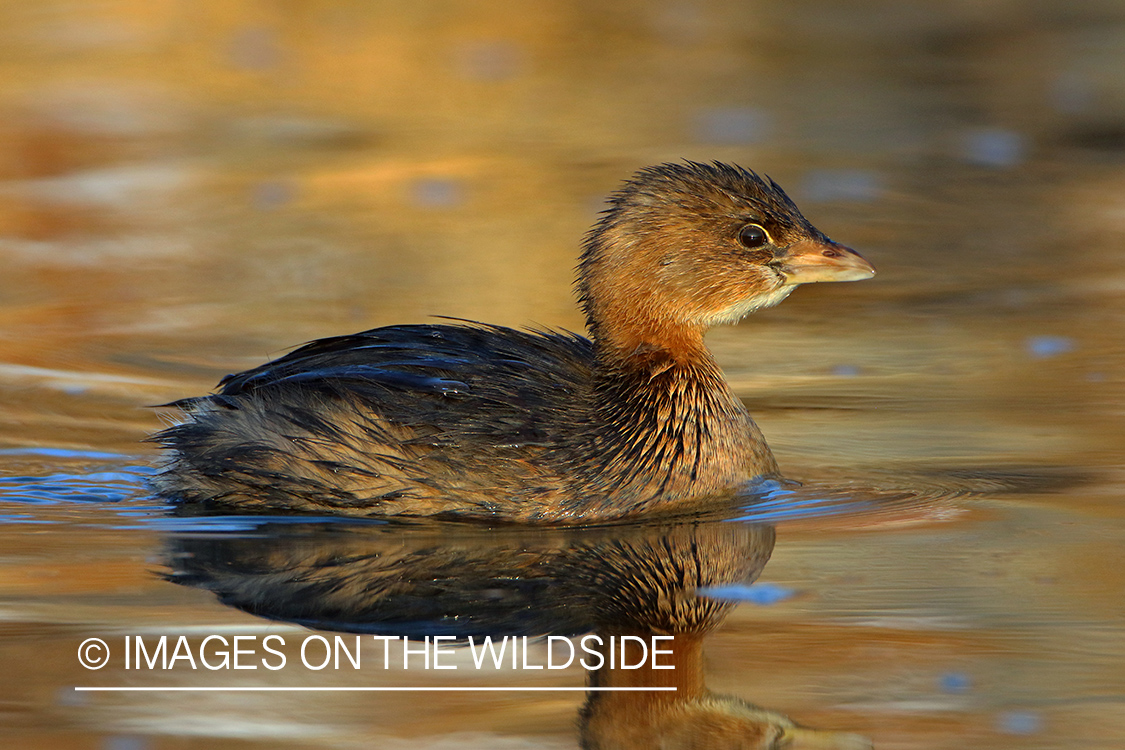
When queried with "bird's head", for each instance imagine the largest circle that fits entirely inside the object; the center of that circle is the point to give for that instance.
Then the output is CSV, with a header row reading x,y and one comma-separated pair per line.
x,y
685,246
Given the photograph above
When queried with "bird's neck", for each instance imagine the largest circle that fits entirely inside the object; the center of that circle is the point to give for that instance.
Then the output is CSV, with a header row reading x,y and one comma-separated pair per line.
x,y
645,359
632,320
681,386
665,427
640,345
633,328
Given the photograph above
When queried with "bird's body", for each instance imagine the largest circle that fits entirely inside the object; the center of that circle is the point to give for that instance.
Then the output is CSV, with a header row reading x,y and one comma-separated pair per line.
x,y
475,421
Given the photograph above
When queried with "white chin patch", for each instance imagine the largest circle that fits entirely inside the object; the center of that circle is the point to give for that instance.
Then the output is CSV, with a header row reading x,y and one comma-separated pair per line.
x,y
737,312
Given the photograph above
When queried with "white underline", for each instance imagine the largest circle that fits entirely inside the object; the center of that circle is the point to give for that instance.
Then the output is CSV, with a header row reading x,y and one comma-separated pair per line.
x,y
364,689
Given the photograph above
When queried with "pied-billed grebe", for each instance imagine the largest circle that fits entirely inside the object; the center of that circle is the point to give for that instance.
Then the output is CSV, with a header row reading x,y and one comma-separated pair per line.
x,y
476,421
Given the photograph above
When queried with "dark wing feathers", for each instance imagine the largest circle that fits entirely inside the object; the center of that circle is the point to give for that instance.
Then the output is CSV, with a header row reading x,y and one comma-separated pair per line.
x,y
463,379
370,374
389,420
455,352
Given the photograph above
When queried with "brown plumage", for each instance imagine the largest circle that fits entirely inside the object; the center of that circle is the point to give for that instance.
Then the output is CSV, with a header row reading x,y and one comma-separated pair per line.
x,y
476,421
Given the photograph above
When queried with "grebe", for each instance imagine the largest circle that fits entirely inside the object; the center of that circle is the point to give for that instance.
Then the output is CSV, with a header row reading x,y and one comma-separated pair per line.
x,y
483,422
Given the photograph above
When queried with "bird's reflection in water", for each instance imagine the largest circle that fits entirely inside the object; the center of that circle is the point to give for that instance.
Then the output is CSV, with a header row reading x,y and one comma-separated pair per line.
x,y
453,580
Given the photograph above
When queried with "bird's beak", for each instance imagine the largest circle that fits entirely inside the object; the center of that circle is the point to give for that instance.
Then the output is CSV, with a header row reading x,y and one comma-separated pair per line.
x,y
809,261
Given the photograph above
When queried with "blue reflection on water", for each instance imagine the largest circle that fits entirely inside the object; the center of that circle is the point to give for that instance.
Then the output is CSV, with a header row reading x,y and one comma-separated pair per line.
x,y
955,682
251,524
1044,347
733,125
994,147
121,487
97,486
116,481
104,479
64,453
770,501
857,185
762,594
435,192
271,195
845,371
1020,722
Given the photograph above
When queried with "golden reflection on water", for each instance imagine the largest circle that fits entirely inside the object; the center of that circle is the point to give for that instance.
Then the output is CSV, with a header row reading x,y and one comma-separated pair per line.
x,y
622,586
186,189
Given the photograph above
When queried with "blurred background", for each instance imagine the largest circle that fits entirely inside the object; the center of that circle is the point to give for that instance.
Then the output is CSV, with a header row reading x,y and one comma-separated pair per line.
x,y
189,188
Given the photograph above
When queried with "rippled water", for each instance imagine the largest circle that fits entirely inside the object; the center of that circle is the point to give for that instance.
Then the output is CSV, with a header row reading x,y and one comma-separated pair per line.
x,y
187,190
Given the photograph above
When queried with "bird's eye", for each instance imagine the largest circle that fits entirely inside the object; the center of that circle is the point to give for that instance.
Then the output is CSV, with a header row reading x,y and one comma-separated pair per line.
x,y
753,236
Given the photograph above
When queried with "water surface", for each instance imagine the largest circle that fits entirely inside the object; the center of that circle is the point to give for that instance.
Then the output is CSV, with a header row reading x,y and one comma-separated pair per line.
x,y
188,190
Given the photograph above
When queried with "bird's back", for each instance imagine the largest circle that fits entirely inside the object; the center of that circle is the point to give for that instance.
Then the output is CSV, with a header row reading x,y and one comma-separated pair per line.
x,y
403,420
